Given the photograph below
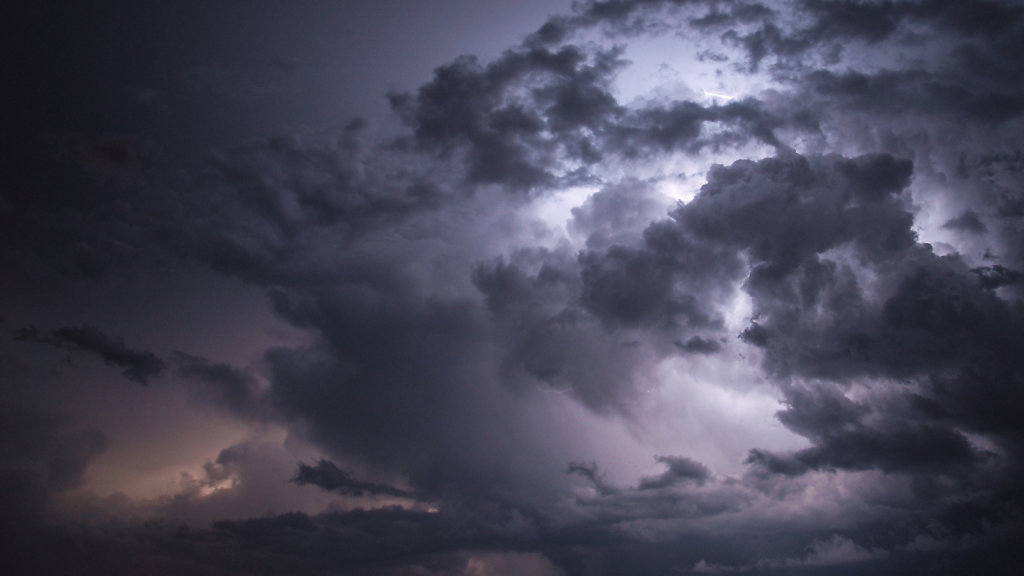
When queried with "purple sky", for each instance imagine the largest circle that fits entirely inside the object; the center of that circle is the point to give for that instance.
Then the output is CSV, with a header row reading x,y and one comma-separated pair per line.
x,y
468,288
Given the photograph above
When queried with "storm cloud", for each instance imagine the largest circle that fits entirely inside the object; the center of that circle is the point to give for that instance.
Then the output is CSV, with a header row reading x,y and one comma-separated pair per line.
x,y
638,287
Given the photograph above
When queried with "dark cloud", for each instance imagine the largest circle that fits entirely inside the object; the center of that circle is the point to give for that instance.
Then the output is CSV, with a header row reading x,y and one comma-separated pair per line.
x,y
531,110
801,207
918,92
755,335
685,491
514,117
326,474
698,345
932,316
389,541
686,126
41,457
967,221
90,233
937,319
49,450
680,470
226,385
139,366
254,210
636,17
996,276
982,18
397,363
634,287
551,338
731,13
370,534
868,21
809,227
852,435
769,40
259,211
590,471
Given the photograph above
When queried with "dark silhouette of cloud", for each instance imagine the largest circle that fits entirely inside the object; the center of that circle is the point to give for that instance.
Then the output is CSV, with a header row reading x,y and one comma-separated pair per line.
x,y
968,221
328,476
680,470
698,345
139,366
590,471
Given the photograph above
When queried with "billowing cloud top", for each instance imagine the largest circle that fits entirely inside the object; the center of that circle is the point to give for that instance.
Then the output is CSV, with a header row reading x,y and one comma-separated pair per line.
x,y
664,286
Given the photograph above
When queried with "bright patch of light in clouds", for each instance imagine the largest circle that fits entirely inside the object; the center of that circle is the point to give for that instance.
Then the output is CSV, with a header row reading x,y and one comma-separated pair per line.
x,y
555,210
713,409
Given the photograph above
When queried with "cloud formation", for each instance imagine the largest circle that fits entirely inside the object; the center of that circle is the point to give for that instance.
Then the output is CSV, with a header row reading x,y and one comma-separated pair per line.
x,y
328,476
139,366
503,311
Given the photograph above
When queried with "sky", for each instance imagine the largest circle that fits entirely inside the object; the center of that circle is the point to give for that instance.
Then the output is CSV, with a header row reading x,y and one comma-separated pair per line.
x,y
464,288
